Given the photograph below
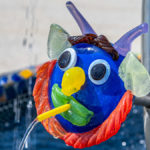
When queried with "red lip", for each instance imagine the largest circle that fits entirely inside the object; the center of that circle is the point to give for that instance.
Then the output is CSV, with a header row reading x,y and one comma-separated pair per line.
x,y
78,140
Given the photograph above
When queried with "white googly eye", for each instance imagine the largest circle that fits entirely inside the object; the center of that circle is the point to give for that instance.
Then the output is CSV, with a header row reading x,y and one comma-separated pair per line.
x,y
99,71
67,59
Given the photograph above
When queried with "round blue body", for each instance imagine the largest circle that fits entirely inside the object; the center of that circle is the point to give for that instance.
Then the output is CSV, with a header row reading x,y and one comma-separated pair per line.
x,y
101,99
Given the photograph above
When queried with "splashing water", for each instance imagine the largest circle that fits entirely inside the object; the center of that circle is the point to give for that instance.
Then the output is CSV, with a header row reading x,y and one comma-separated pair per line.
x,y
40,118
27,133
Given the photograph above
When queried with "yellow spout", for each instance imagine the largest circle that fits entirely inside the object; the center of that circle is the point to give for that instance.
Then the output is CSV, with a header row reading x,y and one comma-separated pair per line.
x,y
53,112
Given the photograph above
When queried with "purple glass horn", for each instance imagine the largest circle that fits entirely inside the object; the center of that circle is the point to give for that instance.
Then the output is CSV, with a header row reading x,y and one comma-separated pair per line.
x,y
123,45
82,23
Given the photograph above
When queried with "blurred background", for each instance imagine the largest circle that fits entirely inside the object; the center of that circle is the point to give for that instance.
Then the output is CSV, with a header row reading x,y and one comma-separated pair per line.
x,y
24,28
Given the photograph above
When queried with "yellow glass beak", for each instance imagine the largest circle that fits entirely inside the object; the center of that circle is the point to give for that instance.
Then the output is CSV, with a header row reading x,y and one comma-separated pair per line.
x,y
72,80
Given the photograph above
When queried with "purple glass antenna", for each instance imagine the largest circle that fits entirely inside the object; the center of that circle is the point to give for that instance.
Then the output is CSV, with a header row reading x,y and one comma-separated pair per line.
x,y
123,45
81,21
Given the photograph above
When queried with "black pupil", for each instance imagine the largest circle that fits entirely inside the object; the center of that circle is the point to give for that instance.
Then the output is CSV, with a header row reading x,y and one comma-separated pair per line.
x,y
98,71
64,59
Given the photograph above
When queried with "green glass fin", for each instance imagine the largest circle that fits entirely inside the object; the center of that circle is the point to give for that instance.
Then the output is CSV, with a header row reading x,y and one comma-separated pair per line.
x,y
135,76
57,41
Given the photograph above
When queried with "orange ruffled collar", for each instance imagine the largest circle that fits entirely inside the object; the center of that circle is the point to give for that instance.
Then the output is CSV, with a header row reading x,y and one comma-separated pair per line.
x,y
78,140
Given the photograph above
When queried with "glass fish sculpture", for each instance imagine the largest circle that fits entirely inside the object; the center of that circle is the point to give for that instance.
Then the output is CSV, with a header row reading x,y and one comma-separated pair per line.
x,y
97,78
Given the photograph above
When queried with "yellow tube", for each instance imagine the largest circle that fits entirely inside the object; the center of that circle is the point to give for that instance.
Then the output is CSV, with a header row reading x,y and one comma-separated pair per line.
x,y
53,112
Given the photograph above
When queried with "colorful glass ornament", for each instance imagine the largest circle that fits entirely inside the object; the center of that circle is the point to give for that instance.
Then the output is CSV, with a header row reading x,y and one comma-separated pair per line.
x,y
95,77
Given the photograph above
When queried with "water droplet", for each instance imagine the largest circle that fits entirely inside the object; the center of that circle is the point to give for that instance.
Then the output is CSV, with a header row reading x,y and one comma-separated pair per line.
x,y
55,137
124,143
135,111
142,141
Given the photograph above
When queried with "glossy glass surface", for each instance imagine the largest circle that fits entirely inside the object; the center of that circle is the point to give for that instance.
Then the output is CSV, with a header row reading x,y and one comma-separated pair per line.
x,y
135,76
101,99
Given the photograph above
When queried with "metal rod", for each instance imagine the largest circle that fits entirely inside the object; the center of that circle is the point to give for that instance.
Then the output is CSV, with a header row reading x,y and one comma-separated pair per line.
x,y
142,101
146,62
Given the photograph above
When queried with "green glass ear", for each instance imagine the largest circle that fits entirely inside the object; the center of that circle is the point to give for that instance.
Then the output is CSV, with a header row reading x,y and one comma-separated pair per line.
x,y
57,41
135,76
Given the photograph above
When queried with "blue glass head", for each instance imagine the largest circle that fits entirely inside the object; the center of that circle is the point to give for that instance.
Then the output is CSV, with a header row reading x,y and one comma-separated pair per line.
x,y
101,99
